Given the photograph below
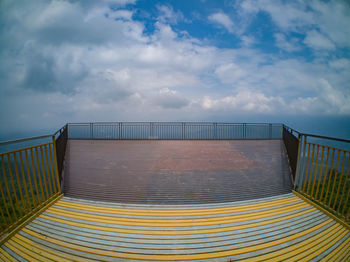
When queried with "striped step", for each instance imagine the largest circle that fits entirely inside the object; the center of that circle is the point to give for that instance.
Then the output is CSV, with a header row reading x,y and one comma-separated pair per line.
x,y
278,228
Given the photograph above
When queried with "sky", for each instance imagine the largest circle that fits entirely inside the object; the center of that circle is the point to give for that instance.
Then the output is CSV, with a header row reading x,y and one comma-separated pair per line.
x,y
194,60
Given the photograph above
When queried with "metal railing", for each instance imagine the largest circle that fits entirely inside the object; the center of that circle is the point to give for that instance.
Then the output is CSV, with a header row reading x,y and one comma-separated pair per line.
x,y
291,142
323,173
61,137
29,180
174,130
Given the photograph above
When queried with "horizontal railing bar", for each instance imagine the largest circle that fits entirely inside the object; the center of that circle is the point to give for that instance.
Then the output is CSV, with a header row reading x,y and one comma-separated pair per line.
x,y
330,147
23,140
177,122
287,127
24,149
327,137
60,130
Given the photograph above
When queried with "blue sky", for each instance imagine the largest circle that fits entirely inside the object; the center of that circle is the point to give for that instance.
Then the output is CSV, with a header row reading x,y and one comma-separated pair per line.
x,y
128,60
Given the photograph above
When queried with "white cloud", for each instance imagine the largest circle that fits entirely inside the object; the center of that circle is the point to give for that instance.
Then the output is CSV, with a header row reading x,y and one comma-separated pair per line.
x,y
223,20
168,15
243,102
318,41
330,19
122,14
289,45
229,73
65,62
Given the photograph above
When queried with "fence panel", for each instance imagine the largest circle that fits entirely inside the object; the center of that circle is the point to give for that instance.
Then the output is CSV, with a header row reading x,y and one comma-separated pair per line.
x,y
323,176
61,143
174,130
29,180
291,143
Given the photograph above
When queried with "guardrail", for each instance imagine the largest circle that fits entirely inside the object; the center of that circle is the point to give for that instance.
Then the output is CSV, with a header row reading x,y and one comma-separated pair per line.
x,y
31,168
174,130
323,173
29,180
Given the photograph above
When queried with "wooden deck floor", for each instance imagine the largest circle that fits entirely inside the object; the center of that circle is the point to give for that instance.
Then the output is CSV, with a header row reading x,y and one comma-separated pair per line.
x,y
279,228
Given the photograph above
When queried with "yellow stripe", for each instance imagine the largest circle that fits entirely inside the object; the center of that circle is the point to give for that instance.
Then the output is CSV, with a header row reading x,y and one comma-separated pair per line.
x,y
176,257
176,212
347,257
337,253
176,232
316,250
173,223
61,255
7,256
38,251
289,251
20,252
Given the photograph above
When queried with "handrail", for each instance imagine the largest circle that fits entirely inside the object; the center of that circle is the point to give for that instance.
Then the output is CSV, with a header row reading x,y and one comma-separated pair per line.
x,y
292,129
327,137
23,140
28,180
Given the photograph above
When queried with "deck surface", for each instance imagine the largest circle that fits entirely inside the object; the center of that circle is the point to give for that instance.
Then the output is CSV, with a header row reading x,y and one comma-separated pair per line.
x,y
175,171
280,228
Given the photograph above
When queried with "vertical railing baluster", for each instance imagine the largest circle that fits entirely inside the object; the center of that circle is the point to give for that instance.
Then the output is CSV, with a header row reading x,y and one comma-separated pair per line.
x,y
43,171
7,188
311,169
14,191
330,177
340,181
55,183
55,163
307,166
48,171
24,179
30,180
39,174
320,174
35,177
19,184
323,194
315,172
3,197
346,181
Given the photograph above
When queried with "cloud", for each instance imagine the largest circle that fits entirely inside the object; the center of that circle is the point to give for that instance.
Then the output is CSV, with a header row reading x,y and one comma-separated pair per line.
x,y
290,45
170,99
223,20
326,23
168,15
318,41
66,61
229,73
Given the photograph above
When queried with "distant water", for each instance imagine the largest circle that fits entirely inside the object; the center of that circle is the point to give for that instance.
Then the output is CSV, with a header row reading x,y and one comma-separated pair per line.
x,y
333,126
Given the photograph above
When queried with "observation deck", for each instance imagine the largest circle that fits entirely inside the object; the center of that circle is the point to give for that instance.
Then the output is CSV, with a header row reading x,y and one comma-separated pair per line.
x,y
175,192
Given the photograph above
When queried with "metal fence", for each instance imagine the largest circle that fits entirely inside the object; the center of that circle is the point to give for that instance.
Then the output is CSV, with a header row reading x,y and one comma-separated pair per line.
x,y
29,180
323,173
61,137
291,142
174,130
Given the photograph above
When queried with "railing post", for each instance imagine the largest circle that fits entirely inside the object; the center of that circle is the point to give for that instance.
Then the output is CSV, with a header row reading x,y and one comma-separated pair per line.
x,y
244,130
56,165
183,130
151,131
270,131
120,130
91,131
299,169
215,130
